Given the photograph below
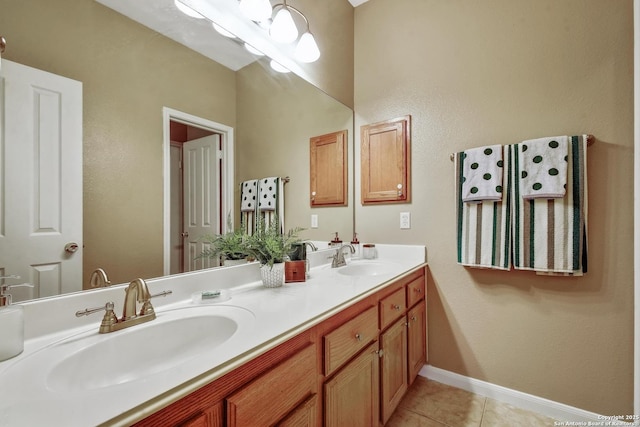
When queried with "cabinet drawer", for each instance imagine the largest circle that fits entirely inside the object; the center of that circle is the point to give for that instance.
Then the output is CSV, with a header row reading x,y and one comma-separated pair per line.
x,y
345,341
392,307
275,393
415,291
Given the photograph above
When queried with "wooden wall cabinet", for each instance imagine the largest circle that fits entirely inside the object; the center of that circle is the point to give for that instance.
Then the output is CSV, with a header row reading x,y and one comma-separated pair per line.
x,y
385,156
328,169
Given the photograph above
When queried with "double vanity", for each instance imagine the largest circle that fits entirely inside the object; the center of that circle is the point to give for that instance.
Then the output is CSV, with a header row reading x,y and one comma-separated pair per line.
x,y
345,343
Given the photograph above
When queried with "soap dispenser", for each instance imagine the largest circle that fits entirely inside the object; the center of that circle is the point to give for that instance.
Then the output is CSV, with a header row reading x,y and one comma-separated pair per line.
x,y
336,242
356,246
11,322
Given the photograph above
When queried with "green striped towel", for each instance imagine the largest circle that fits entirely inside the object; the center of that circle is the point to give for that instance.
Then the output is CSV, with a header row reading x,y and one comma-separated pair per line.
x,y
550,235
483,228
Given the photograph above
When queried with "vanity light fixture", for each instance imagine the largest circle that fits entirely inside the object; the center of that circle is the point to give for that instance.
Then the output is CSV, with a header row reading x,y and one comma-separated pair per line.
x,y
187,10
284,30
277,67
222,31
256,10
253,50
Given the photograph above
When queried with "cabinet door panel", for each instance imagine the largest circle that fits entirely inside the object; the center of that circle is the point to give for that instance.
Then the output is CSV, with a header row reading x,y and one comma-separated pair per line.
x,y
275,393
385,155
328,169
394,382
417,339
352,396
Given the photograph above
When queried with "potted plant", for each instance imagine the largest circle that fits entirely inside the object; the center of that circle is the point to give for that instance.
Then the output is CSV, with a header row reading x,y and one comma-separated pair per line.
x,y
231,246
271,248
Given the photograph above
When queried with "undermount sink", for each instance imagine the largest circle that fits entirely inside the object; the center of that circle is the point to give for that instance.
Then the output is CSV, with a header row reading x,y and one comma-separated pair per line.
x,y
368,268
92,361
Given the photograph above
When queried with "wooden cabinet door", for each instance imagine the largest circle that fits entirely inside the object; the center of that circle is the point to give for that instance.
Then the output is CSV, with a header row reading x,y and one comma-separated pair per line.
x,y
305,415
385,155
328,169
417,339
393,378
274,394
352,395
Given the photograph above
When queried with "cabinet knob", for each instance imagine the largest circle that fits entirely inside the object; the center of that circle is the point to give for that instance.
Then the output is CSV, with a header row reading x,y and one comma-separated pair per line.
x,y
399,189
396,306
358,336
418,290
380,352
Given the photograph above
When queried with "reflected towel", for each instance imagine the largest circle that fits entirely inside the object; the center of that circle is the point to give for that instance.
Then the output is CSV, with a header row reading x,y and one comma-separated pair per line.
x,y
543,167
482,173
550,235
483,228
248,195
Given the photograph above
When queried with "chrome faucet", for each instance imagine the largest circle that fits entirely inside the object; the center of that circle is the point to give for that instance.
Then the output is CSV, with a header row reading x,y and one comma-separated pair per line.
x,y
311,245
338,258
136,292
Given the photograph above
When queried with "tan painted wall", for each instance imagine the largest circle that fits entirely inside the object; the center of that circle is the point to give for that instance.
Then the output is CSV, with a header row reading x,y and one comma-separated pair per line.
x,y
501,71
331,23
277,115
129,73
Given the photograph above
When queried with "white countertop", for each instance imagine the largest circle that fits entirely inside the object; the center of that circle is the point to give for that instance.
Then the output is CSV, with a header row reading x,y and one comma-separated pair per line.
x,y
27,399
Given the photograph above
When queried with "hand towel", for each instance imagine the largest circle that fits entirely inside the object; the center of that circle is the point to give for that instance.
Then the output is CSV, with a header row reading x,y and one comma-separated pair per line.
x,y
483,228
248,195
550,235
543,167
482,173
268,194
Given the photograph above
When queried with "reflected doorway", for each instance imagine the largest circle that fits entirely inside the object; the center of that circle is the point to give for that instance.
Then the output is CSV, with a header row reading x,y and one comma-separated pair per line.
x,y
198,176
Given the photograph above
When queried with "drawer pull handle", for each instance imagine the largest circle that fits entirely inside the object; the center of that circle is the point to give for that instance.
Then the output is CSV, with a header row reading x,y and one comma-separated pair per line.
x,y
358,337
396,306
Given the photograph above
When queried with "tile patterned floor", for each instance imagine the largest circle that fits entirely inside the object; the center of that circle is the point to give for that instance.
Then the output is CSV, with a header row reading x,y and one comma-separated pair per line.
x,y
432,404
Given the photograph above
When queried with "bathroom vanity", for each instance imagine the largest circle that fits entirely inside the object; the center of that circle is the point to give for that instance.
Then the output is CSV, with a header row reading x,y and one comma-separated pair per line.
x,y
343,345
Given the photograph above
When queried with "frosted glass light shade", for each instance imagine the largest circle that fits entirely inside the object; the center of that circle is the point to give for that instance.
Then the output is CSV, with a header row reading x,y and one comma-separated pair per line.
x,y
222,31
277,67
253,50
187,10
307,48
256,10
283,29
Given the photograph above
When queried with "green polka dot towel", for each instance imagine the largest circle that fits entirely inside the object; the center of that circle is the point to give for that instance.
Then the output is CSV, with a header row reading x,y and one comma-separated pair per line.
x,y
543,167
482,173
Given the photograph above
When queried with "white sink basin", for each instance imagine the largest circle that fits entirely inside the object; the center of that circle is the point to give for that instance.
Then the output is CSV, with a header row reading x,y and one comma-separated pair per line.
x,y
90,360
368,268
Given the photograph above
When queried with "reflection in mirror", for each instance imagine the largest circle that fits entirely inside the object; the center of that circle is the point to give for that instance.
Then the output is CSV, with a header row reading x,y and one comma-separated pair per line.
x,y
129,73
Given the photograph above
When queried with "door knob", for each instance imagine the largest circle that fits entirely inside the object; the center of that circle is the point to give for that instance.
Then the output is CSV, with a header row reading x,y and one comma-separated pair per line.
x,y
185,234
71,247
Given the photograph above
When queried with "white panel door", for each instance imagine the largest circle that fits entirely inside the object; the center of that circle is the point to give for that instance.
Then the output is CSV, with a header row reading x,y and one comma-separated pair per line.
x,y
201,198
41,180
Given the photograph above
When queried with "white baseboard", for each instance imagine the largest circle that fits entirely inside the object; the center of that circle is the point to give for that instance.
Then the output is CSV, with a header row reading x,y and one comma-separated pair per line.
x,y
558,411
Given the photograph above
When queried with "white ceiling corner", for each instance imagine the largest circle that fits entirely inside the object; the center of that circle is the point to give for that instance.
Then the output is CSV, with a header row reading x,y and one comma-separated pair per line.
x,y
355,3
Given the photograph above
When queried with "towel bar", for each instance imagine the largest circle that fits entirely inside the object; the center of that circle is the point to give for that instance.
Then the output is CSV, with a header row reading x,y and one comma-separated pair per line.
x,y
590,140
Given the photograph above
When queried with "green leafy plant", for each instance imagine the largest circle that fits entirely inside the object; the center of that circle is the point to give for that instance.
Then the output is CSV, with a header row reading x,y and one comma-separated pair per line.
x,y
231,245
269,245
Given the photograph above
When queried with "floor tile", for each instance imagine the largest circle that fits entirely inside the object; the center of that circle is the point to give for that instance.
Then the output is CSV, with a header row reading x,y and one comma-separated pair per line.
x,y
405,418
448,405
499,414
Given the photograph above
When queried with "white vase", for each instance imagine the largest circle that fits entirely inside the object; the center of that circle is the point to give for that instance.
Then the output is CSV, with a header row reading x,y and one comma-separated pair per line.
x,y
272,277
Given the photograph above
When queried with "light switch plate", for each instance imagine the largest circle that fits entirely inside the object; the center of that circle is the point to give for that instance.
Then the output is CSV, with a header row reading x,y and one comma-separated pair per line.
x,y
405,220
314,221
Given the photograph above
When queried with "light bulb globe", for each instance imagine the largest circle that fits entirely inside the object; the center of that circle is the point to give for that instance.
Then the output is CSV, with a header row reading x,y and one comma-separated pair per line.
x,y
307,48
283,29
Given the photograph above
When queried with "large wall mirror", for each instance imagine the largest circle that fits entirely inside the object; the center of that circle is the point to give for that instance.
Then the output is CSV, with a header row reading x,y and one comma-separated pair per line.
x,y
129,74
